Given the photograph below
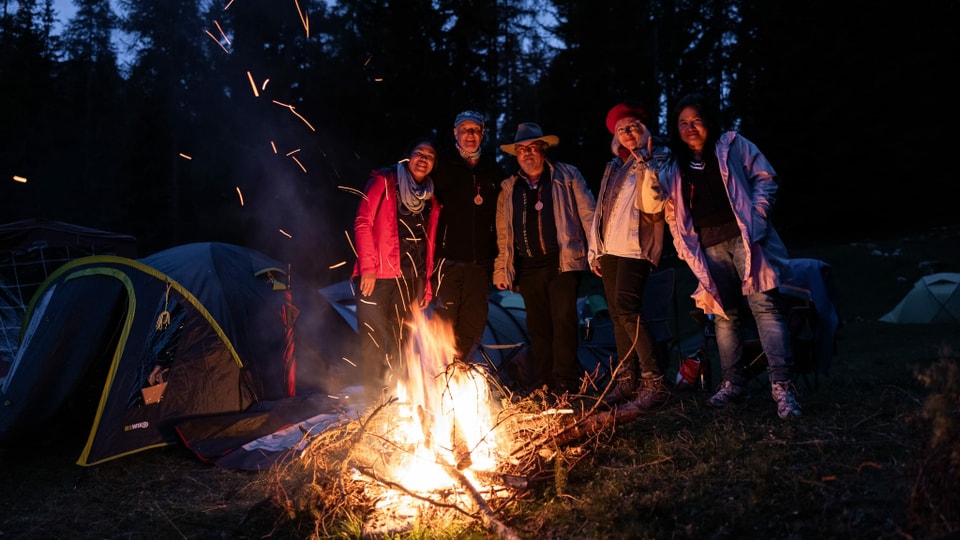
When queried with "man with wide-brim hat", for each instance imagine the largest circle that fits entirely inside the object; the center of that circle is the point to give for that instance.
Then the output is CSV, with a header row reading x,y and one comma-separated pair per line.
x,y
543,214
526,133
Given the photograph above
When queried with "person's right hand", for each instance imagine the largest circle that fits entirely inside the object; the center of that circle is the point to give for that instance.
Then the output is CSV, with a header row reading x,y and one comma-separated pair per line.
x,y
596,270
502,286
367,281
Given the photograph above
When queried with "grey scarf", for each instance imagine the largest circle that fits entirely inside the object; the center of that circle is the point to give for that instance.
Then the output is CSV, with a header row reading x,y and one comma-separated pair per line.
x,y
412,194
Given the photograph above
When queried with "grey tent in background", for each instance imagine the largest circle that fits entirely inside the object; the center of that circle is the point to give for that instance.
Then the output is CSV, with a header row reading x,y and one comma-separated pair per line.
x,y
933,299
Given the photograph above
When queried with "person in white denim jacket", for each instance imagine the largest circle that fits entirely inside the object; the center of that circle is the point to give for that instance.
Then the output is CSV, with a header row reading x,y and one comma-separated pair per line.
x,y
543,213
721,190
626,242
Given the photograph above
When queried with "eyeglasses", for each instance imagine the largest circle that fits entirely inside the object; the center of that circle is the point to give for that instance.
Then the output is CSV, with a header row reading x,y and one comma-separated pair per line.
x,y
533,148
470,131
630,128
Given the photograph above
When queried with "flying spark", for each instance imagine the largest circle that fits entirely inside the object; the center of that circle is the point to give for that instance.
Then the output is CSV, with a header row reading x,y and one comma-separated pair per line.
x,y
350,241
225,38
302,168
355,191
304,18
207,32
256,93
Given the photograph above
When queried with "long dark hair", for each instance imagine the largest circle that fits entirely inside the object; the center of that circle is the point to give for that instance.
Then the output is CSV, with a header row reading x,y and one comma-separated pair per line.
x,y
708,114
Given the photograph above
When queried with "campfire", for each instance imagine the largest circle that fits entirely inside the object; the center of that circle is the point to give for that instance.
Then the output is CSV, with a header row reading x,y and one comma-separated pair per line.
x,y
448,443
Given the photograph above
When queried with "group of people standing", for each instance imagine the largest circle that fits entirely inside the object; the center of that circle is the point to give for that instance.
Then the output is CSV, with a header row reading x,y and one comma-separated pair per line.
x,y
443,230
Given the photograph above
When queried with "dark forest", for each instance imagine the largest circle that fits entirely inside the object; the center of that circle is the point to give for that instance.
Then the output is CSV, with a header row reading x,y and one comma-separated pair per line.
x,y
250,121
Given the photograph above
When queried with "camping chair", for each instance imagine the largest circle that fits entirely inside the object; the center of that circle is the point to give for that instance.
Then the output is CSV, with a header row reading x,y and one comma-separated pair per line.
x,y
659,314
809,300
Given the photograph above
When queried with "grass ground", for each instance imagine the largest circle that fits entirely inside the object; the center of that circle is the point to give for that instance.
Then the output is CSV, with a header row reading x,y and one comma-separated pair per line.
x,y
874,456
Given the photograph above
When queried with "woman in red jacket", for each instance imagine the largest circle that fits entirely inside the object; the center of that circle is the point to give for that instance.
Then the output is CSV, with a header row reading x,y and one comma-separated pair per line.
x,y
395,231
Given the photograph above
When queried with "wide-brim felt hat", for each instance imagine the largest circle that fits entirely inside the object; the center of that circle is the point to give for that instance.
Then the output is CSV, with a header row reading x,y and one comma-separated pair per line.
x,y
527,132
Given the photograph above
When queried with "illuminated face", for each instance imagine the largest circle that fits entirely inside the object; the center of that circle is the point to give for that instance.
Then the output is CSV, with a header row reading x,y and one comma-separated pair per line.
x,y
692,129
469,135
530,157
631,133
421,161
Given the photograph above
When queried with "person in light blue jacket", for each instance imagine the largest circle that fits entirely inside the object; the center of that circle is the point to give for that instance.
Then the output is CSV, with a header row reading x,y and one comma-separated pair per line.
x,y
626,242
721,190
543,213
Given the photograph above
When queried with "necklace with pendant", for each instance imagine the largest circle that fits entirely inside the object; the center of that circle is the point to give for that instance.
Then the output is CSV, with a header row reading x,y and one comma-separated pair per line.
x,y
478,200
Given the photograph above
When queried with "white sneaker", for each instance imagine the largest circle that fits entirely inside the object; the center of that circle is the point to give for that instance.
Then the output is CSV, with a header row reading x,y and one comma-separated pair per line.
x,y
726,394
787,404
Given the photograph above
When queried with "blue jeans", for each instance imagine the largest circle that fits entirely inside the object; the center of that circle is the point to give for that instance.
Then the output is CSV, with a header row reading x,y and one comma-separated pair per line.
x,y
726,262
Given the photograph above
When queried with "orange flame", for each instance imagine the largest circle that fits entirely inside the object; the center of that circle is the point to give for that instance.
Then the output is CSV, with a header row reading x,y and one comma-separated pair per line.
x,y
445,410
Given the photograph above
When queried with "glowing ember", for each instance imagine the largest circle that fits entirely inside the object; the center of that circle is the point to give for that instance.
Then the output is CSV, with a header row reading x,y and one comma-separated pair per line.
x,y
253,85
302,168
217,40
225,38
304,20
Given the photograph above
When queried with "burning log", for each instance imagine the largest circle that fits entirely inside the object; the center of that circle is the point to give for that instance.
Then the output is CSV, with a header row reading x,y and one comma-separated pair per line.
x,y
597,422
487,517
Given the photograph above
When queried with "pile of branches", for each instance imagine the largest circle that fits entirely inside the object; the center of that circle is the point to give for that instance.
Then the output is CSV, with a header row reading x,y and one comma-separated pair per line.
x,y
344,473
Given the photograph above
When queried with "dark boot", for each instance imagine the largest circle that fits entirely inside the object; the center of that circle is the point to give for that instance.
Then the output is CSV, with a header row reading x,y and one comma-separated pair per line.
x,y
624,388
652,393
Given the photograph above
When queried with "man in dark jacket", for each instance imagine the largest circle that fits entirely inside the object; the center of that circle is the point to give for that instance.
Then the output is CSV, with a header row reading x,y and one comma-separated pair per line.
x,y
466,186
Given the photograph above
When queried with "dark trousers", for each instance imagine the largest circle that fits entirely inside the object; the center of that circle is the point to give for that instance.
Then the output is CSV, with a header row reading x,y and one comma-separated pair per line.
x,y
463,293
379,328
624,279
550,298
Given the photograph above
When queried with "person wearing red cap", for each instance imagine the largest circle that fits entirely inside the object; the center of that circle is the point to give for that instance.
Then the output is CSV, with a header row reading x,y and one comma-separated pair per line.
x,y
467,185
721,190
543,214
626,241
